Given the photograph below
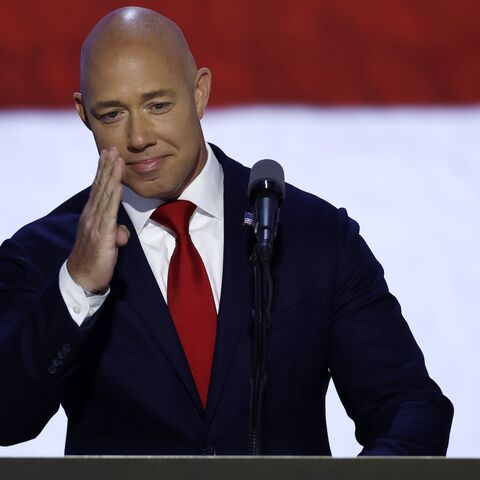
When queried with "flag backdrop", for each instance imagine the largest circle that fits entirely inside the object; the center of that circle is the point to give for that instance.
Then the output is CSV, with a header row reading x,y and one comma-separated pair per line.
x,y
370,104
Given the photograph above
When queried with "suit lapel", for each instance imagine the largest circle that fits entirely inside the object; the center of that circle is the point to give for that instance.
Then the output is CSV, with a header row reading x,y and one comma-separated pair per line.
x,y
235,306
134,274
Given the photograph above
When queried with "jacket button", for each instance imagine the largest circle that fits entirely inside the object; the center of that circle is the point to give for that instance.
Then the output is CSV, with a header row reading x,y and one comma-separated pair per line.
x,y
209,450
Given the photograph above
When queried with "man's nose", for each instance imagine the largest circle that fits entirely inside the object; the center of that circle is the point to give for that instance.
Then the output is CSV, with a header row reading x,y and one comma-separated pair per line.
x,y
140,134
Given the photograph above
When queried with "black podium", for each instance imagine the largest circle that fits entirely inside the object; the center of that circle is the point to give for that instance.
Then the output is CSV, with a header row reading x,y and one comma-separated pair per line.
x,y
239,468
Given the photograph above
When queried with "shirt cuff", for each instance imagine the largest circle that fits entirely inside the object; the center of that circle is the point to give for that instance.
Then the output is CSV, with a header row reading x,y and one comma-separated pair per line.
x,y
81,304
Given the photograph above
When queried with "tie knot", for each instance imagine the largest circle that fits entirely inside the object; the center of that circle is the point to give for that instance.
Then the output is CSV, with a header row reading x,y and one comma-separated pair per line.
x,y
175,216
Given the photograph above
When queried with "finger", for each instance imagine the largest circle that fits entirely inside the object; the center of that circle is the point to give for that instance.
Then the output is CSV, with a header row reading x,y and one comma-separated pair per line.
x,y
114,181
102,168
109,212
108,161
123,235
94,187
101,190
98,182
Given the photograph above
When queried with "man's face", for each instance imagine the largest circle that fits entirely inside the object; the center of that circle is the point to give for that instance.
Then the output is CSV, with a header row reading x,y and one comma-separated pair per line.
x,y
148,104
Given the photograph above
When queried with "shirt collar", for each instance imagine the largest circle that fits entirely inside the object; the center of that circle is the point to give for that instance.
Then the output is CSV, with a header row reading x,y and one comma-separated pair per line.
x,y
205,191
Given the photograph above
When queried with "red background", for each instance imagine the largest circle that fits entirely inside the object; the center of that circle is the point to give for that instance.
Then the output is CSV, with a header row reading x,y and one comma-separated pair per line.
x,y
327,52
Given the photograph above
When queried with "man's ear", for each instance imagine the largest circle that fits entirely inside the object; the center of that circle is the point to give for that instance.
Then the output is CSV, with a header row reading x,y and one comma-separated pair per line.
x,y
203,81
81,110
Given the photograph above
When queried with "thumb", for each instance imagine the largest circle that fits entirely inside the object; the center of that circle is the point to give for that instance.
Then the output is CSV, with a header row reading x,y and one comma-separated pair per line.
x,y
123,234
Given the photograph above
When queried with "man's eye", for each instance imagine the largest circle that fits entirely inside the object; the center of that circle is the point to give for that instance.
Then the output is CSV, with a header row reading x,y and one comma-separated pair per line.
x,y
110,116
160,107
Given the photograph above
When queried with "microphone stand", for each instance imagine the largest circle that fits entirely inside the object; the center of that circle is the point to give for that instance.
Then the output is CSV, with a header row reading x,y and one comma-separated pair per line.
x,y
263,291
266,190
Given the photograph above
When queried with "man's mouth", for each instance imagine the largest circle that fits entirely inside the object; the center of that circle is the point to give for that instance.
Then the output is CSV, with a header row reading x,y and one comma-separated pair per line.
x,y
147,165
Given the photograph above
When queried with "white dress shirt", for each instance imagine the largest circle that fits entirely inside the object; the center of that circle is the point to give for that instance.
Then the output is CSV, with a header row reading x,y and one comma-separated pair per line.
x,y
158,242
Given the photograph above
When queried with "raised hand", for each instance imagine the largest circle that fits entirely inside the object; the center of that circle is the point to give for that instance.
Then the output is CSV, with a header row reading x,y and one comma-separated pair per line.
x,y
94,255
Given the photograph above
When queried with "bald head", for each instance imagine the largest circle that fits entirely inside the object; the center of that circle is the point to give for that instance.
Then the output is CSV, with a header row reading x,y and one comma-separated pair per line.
x,y
135,27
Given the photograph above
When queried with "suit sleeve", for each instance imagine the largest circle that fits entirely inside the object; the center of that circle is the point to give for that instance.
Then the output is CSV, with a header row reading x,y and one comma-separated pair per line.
x,y
39,344
376,365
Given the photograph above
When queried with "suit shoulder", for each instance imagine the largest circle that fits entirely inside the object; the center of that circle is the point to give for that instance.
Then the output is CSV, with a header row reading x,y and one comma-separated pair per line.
x,y
308,202
299,206
56,228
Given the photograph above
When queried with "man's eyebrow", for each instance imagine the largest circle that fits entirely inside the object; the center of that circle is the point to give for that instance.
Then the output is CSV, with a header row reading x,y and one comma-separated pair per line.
x,y
166,92
106,104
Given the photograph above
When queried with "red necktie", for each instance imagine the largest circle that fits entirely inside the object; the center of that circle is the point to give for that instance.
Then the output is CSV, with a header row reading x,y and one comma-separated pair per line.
x,y
189,295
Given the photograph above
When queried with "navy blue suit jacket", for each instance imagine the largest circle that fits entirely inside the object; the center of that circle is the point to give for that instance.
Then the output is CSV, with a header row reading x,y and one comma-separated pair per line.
x,y
123,379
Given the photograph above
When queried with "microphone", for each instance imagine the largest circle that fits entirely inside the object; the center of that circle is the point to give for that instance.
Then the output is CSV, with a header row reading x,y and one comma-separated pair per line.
x,y
266,191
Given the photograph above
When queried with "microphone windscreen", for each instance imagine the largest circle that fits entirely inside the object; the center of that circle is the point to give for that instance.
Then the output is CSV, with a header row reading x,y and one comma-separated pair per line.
x,y
266,171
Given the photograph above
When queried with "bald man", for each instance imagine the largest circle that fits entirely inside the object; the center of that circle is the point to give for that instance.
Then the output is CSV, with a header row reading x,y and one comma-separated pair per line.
x,y
143,98
99,313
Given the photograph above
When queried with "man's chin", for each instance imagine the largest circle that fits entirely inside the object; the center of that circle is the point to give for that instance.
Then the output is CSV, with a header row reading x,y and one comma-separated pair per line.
x,y
147,189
